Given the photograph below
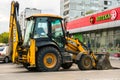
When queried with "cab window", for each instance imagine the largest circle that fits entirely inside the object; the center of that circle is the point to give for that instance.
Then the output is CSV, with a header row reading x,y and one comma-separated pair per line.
x,y
41,29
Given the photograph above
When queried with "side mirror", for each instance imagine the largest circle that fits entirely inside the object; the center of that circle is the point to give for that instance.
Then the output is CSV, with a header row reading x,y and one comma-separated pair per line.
x,y
67,34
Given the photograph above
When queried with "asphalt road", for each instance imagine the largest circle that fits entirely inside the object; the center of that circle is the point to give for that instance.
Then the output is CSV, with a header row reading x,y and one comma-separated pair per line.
x,y
17,72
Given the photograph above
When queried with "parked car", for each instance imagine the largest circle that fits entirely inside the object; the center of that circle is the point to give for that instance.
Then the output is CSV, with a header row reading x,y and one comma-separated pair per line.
x,y
117,55
4,55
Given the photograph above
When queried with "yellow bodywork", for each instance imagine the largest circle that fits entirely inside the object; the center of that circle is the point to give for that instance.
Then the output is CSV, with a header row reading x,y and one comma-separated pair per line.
x,y
14,42
27,55
13,35
74,45
45,15
31,53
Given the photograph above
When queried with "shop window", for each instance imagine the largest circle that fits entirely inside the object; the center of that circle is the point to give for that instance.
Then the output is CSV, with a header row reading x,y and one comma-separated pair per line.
x,y
104,33
84,38
107,39
88,35
97,45
103,41
98,35
97,41
117,31
92,34
117,39
110,32
92,42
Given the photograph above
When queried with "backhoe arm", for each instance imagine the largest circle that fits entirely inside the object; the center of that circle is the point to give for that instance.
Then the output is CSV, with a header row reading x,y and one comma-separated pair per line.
x,y
15,36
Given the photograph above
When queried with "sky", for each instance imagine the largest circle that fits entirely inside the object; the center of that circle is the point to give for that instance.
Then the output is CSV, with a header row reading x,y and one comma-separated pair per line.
x,y
48,6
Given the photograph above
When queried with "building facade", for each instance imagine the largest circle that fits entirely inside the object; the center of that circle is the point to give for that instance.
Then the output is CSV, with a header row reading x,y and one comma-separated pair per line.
x,y
101,29
72,9
24,14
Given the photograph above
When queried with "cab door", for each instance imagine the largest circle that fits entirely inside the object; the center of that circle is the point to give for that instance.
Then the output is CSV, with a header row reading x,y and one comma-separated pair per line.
x,y
57,32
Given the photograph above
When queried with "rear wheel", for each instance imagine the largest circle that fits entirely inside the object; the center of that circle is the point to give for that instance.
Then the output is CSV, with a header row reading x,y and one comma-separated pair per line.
x,y
85,62
66,65
48,59
6,60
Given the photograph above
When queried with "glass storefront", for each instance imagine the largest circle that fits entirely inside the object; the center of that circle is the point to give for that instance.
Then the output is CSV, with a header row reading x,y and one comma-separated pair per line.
x,y
108,39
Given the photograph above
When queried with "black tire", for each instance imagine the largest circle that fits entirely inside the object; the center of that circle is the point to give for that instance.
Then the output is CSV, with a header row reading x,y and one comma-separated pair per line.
x,y
66,65
6,60
48,59
85,62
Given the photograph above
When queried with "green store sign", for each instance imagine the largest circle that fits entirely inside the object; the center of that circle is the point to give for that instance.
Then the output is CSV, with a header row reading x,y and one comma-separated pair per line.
x,y
103,17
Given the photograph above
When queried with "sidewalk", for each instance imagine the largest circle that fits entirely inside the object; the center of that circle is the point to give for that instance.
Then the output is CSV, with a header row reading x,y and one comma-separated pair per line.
x,y
114,58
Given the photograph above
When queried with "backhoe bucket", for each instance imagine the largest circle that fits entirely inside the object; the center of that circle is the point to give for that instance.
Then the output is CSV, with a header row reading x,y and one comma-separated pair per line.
x,y
103,61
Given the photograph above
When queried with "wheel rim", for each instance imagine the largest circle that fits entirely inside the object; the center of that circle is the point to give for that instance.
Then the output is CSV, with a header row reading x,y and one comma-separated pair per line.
x,y
6,59
87,62
50,60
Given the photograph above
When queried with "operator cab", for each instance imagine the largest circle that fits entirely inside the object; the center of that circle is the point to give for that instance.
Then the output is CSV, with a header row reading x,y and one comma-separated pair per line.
x,y
46,28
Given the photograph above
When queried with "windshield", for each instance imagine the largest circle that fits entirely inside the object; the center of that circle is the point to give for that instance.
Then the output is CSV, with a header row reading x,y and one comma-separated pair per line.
x,y
29,29
1,48
41,27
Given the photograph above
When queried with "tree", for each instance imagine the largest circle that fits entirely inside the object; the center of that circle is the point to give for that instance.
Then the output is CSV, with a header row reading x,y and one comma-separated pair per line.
x,y
4,37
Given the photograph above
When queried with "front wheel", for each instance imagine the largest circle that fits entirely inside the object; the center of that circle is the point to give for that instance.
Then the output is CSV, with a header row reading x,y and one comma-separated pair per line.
x,y
48,59
85,62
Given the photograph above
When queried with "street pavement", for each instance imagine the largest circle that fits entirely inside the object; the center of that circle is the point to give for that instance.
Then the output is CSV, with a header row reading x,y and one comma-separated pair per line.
x,y
17,72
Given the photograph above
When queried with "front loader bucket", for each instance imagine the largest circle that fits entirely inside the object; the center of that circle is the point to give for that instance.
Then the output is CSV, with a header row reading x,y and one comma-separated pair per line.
x,y
103,61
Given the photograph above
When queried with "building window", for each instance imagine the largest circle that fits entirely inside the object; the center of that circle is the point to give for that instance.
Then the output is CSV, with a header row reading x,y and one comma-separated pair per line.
x,y
66,6
118,1
109,3
82,14
105,7
66,13
105,2
65,0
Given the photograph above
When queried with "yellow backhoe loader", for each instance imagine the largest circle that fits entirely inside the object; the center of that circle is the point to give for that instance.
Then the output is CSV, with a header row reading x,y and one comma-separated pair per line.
x,y
46,46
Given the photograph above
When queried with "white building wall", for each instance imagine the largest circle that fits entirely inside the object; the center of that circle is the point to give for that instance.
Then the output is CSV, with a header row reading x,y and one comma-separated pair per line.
x,y
79,8
24,14
61,7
